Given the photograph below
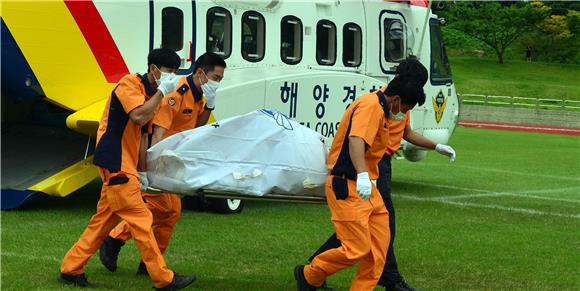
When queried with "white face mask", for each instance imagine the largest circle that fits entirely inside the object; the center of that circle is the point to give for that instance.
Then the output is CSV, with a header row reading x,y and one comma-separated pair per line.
x,y
210,87
399,116
164,76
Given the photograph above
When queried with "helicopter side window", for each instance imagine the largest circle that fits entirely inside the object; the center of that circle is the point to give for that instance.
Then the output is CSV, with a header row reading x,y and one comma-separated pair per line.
x,y
253,36
291,40
394,40
172,28
219,32
325,43
351,45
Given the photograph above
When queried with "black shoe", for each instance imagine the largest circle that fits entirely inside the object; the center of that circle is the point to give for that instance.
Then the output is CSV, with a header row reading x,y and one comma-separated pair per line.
x,y
325,286
142,269
301,283
400,285
76,280
109,253
179,282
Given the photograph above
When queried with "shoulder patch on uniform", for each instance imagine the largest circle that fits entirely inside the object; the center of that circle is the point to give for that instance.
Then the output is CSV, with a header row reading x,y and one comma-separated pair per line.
x,y
183,89
171,101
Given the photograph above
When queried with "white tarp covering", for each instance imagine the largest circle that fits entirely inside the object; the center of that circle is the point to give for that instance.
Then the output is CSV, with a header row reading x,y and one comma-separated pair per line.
x,y
262,152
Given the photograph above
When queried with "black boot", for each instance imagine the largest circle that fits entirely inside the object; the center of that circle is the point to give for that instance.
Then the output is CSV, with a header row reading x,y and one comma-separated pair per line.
x,y
76,280
142,269
325,286
179,282
301,283
109,253
400,285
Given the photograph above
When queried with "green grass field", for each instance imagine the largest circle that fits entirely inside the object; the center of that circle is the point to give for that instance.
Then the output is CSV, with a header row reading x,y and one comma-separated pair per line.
x,y
504,216
516,78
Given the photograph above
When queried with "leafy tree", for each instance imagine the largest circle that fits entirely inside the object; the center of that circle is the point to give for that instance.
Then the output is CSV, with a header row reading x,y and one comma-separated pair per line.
x,y
497,24
562,7
573,21
556,27
557,36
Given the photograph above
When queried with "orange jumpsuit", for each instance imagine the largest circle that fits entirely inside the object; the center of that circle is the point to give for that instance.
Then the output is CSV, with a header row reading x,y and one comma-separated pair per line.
x,y
116,156
179,111
362,226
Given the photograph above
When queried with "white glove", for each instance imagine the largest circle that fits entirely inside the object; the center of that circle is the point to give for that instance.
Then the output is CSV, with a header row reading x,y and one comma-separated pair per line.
x,y
209,91
168,85
143,182
363,185
210,101
445,150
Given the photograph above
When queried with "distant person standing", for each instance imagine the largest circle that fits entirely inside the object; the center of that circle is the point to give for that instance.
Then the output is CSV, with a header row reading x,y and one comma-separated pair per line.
x,y
529,53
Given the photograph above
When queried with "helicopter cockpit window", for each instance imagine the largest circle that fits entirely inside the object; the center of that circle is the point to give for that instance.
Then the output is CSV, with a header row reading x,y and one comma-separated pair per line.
x,y
440,69
219,32
394,40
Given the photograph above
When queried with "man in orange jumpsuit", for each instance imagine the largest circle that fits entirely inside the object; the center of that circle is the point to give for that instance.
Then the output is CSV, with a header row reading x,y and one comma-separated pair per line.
x,y
129,110
399,128
358,212
180,110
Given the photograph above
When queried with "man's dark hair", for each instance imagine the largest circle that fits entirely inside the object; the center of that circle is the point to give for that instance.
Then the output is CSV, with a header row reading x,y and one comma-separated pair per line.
x,y
208,61
412,68
164,57
408,88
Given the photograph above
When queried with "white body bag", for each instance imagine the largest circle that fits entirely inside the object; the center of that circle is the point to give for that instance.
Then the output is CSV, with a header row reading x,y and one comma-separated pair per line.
x,y
260,153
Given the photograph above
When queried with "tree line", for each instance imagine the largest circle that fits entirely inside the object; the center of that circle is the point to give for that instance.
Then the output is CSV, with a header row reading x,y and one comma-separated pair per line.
x,y
550,30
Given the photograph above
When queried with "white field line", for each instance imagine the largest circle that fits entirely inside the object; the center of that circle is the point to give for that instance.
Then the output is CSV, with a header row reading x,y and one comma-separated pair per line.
x,y
472,195
543,197
511,172
519,126
495,194
81,222
490,206
451,187
488,193
31,257
559,190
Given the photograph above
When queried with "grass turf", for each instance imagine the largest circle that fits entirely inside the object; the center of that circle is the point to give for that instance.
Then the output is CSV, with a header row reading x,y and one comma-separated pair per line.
x,y
516,78
504,216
